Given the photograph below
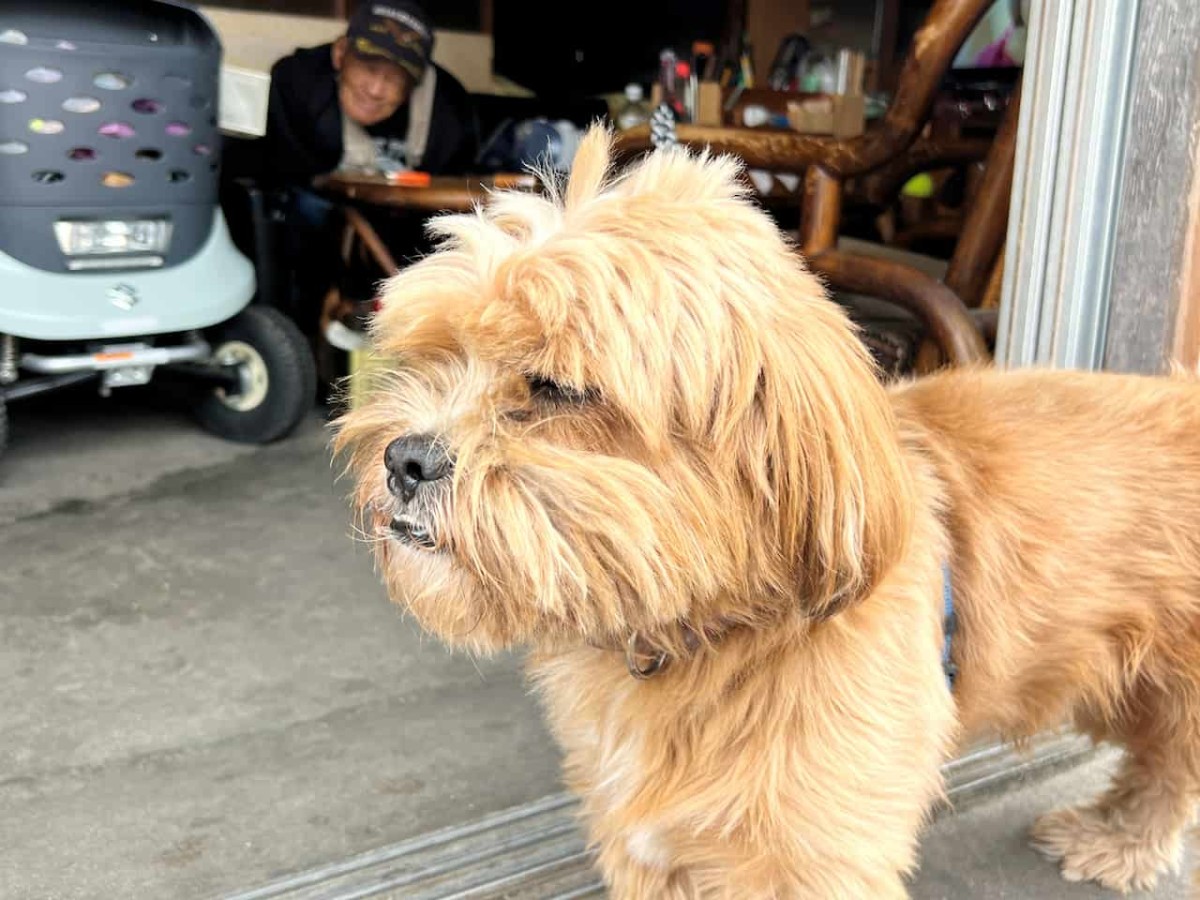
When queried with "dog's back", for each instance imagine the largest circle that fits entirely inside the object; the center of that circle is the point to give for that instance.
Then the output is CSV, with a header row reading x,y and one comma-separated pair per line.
x,y
1072,503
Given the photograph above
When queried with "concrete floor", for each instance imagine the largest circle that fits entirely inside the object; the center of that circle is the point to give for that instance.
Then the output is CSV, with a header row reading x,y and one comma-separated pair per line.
x,y
203,684
205,688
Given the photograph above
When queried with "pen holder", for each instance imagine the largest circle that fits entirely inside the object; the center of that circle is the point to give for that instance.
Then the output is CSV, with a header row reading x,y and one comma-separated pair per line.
x,y
708,102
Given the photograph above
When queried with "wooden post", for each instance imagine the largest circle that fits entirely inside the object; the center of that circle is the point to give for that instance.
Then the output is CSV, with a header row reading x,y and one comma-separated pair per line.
x,y
1153,265
987,218
1186,350
883,45
821,213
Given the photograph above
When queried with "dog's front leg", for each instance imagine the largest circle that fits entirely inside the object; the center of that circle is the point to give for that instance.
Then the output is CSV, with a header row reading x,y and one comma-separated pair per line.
x,y
631,874
629,880
716,869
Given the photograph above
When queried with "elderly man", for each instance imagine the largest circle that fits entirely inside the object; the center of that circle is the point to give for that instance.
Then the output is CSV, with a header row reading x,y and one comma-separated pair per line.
x,y
373,99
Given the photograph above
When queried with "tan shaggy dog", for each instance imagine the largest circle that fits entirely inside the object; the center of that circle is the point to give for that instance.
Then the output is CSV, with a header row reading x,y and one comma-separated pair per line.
x,y
623,414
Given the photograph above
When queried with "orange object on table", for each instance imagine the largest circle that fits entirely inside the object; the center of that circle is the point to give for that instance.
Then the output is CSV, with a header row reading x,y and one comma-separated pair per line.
x,y
410,179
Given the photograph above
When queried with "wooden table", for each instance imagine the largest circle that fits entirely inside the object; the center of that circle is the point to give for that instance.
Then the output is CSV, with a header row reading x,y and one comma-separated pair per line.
x,y
443,194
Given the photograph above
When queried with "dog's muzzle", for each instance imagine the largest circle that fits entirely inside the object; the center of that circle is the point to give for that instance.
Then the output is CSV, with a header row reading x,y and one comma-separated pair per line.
x,y
414,461
417,467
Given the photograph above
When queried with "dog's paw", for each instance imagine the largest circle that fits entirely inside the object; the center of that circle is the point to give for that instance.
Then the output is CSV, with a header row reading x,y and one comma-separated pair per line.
x,y
1089,848
1057,834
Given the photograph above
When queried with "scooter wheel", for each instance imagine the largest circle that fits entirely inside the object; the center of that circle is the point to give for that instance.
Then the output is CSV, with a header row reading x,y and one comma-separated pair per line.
x,y
277,374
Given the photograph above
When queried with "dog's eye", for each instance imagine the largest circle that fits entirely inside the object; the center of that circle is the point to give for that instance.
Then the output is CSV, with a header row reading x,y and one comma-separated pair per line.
x,y
550,391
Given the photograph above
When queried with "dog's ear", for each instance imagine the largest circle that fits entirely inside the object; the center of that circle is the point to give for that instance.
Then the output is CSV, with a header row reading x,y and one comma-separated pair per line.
x,y
590,167
833,479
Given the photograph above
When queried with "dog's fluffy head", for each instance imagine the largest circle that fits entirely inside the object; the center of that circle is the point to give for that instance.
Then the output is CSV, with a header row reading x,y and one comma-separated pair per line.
x,y
649,412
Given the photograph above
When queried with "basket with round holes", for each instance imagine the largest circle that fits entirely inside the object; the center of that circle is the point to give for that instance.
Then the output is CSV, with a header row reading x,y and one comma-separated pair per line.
x,y
106,107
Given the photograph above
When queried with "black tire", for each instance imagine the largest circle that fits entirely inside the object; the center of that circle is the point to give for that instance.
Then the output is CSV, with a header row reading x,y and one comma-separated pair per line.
x,y
3,426
285,378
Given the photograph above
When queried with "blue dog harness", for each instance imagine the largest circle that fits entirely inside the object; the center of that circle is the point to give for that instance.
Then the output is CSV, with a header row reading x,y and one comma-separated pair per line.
x,y
949,625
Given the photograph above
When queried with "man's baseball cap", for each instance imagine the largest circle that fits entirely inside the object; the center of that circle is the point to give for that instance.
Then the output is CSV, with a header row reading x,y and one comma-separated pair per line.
x,y
398,31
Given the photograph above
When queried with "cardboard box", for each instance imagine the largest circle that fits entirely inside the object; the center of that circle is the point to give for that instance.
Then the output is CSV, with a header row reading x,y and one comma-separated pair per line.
x,y
840,115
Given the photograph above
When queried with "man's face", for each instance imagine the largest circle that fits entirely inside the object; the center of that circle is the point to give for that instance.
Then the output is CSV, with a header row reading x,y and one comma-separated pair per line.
x,y
369,90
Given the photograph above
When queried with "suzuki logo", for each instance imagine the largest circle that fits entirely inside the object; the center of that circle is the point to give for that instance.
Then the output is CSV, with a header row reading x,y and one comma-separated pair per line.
x,y
122,296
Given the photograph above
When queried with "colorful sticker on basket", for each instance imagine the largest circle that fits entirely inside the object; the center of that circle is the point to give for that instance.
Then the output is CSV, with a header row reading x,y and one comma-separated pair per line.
x,y
81,104
44,75
117,130
45,126
111,81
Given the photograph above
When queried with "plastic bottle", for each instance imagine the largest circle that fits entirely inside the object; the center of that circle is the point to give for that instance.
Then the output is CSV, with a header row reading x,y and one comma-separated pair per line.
x,y
635,110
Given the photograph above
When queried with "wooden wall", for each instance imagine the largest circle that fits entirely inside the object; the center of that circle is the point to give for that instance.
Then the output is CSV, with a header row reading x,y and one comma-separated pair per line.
x,y
767,23
255,40
458,15
1154,265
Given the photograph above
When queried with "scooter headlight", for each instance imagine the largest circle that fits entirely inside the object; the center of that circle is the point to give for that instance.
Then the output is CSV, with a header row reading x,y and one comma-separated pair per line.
x,y
95,244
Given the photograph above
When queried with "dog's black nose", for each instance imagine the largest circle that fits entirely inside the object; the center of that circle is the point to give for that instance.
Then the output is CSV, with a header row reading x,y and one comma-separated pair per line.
x,y
413,460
